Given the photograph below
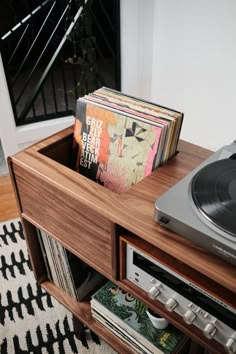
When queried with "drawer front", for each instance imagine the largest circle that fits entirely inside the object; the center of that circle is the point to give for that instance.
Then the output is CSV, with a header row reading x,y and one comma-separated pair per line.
x,y
62,214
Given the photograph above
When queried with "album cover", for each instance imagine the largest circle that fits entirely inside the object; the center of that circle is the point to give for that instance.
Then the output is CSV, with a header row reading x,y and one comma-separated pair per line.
x,y
129,314
120,139
114,149
121,333
172,119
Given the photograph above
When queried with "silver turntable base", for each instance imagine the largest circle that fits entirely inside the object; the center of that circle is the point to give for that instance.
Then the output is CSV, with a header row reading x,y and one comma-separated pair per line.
x,y
177,211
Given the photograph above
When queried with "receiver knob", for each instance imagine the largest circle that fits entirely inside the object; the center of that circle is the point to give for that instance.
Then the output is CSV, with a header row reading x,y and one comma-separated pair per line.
x,y
210,330
154,292
230,345
189,316
171,304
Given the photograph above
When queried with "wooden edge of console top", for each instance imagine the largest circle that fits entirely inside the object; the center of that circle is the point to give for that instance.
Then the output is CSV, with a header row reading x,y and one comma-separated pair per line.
x,y
133,210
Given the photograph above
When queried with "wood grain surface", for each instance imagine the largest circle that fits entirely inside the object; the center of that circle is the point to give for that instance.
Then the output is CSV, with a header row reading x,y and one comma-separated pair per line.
x,y
84,231
89,219
8,206
83,312
63,194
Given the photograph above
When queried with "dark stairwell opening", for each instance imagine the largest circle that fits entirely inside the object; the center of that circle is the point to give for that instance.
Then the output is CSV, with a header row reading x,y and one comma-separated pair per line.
x,y
54,51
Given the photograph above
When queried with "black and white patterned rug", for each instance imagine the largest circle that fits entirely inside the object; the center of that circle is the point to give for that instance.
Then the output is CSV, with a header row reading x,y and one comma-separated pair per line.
x,y
31,321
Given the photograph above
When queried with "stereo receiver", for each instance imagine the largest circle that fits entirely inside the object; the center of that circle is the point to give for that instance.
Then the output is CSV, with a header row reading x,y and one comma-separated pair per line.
x,y
189,300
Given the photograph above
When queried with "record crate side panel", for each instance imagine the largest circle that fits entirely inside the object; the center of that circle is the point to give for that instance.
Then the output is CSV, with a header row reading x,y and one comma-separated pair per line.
x,y
67,218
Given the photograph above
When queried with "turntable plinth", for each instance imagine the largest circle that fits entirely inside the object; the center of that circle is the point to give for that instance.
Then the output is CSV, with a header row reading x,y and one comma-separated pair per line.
x,y
55,198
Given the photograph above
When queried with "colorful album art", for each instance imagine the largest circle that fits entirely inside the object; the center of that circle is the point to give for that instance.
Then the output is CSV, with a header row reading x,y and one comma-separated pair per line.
x,y
121,310
115,150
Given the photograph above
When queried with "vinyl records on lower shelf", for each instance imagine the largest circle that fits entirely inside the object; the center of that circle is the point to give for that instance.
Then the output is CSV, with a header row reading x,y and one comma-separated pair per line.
x,y
66,270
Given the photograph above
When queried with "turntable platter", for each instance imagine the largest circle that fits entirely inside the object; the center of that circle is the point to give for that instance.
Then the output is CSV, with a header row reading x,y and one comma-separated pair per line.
x,y
214,193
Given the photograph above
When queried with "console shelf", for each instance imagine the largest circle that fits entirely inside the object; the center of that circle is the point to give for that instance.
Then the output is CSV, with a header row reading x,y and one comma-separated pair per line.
x,y
88,220
82,310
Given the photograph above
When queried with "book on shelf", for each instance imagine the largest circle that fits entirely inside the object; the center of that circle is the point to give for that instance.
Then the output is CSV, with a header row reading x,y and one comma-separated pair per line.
x,y
125,315
120,139
66,270
120,333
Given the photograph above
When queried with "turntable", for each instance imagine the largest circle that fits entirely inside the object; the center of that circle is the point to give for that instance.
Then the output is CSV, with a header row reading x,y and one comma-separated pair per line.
x,y
202,206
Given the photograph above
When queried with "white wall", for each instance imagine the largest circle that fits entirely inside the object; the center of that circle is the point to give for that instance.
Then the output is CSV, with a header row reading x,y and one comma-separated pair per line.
x,y
194,67
137,25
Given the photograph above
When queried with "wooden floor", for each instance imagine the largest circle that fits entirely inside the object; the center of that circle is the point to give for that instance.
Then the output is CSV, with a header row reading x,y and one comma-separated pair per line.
x,y
8,207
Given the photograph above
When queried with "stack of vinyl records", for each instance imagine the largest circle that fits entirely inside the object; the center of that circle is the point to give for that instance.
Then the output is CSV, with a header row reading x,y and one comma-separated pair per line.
x,y
120,139
126,317
67,271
